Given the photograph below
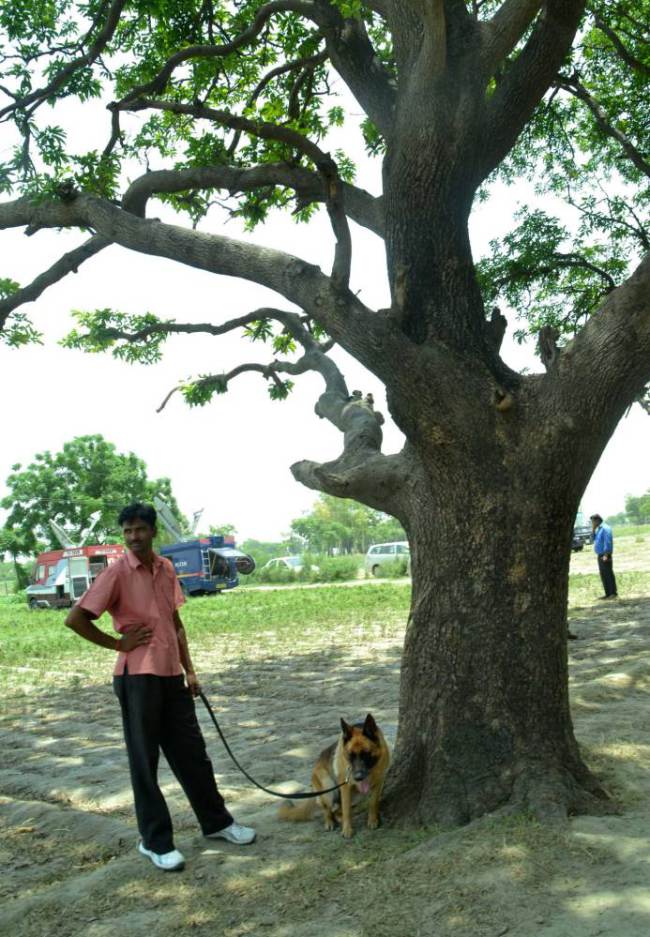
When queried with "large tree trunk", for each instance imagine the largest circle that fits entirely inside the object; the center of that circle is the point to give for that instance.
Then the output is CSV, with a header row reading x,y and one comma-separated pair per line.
x,y
484,710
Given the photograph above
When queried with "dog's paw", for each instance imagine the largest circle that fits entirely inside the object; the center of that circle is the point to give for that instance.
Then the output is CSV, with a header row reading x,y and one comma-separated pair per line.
x,y
347,832
373,823
330,825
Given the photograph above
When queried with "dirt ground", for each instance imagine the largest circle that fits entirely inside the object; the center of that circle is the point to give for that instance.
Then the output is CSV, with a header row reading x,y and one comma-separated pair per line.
x,y
67,833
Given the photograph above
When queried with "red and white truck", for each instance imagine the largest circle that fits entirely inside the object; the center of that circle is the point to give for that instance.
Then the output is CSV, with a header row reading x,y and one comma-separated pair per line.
x,y
62,576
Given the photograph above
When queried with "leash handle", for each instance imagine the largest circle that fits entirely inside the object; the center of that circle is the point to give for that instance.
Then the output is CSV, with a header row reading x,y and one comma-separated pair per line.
x,y
301,795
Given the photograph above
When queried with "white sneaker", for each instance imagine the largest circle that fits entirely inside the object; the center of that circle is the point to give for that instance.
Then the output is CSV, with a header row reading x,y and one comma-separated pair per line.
x,y
235,833
172,861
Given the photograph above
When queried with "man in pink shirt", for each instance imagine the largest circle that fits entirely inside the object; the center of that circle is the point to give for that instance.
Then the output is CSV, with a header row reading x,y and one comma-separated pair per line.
x,y
141,593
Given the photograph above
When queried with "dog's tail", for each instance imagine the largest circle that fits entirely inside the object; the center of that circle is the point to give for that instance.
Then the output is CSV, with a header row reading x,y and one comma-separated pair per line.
x,y
305,810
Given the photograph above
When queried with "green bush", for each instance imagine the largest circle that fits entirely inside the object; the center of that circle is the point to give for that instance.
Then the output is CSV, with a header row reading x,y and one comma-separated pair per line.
x,y
15,598
337,568
315,569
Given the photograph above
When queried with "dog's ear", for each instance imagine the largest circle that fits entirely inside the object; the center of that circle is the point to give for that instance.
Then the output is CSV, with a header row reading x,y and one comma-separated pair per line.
x,y
370,729
346,730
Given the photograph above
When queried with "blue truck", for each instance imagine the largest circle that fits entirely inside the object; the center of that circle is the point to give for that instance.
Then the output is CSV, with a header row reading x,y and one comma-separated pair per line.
x,y
208,565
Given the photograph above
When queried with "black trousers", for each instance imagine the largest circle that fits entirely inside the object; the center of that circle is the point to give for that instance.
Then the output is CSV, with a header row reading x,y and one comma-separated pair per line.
x,y
158,713
606,570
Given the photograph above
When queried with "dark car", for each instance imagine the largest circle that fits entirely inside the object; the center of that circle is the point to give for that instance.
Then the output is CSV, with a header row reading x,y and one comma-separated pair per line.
x,y
582,533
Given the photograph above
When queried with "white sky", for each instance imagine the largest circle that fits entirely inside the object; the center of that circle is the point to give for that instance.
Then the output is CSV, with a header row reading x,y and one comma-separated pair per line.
x,y
231,457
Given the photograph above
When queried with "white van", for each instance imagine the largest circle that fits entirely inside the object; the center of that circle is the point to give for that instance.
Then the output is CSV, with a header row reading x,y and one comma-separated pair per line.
x,y
381,553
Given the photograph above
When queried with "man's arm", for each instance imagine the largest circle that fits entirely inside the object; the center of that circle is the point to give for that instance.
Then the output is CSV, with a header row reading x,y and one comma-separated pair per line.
x,y
81,622
186,660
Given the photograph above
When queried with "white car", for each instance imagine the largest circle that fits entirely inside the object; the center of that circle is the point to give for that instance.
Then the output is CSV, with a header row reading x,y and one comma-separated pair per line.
x,y
293,563
381,553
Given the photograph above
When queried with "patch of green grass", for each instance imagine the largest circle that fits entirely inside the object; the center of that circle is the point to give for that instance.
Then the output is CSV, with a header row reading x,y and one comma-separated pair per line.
x,y
39,637
584,588
632,530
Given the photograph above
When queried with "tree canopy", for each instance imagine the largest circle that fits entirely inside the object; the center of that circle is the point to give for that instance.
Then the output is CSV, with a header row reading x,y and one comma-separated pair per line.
x,y
87,476
234,100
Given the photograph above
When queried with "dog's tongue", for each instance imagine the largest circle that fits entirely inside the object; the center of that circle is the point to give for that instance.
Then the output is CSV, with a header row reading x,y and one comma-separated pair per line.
x,y
364,786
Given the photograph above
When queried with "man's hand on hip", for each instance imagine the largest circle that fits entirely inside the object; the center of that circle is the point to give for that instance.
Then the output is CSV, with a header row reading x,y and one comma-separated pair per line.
x,y
139,635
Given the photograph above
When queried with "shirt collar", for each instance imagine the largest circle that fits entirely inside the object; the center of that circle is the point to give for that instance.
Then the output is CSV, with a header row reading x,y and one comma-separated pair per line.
x,y
134,562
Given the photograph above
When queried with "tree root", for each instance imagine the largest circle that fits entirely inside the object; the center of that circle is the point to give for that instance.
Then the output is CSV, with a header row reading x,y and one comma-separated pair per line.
x,y
547,791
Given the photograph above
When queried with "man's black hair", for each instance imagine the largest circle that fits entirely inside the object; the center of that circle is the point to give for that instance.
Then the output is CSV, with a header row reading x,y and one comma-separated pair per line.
x,y
596,517
138,512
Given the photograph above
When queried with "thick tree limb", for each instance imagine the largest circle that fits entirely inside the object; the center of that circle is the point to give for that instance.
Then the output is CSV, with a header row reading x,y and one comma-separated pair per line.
x,y
617,337
432,59
496,328
527,80
309,186
354,58
575,87
341,314
361,471
355,472
69,263
506,28
334,198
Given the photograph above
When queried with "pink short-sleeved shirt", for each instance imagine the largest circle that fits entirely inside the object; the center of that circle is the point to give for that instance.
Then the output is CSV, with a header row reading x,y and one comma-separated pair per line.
x,y
134,595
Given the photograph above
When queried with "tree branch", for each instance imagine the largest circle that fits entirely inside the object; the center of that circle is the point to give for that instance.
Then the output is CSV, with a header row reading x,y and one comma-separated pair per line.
x,y
616,342
527,80
621,49
69,263
308,62
575,87
40,95
267,131
314,358
361,470
340,313
362,207
220,381
264,13
354,58
506,28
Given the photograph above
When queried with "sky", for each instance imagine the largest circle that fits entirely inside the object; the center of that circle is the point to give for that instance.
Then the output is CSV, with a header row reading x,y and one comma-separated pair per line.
x,y
231,458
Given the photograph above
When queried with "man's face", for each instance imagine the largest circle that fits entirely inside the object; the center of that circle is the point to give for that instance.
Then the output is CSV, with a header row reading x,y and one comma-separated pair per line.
x,y
138,536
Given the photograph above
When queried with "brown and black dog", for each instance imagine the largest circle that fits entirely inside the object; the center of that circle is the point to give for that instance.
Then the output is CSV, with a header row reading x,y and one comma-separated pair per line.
x,y
359,761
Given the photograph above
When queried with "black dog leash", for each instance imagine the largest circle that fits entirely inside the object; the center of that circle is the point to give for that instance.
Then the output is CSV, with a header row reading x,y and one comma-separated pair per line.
x,y
301,795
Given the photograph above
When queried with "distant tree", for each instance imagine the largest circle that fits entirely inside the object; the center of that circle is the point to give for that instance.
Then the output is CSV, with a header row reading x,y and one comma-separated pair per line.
x,y
13,544
86,476
345,525
223,530
637,508
262,550
617,519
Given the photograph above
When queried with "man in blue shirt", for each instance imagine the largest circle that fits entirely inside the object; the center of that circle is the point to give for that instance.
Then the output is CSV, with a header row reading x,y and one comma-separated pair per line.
x,y
604,549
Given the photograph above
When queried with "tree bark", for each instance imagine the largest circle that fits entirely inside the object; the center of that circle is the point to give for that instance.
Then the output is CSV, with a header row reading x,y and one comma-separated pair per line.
x,y
484,717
